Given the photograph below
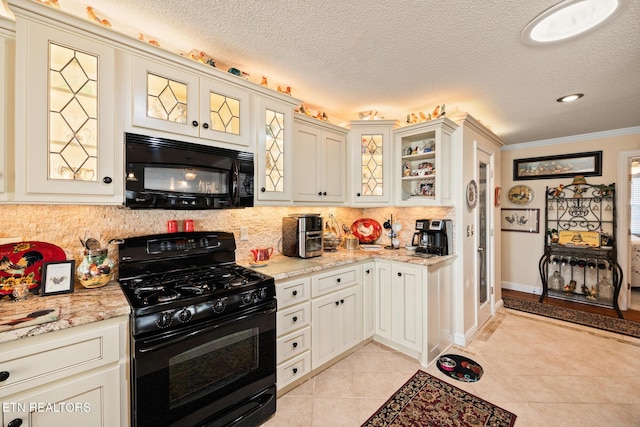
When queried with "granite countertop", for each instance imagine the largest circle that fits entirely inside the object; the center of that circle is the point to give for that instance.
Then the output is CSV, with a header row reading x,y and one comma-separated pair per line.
x,y
282,267
77,308
85,306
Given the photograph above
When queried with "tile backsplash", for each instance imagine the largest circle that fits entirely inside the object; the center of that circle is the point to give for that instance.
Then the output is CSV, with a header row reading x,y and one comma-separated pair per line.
x,y
65,225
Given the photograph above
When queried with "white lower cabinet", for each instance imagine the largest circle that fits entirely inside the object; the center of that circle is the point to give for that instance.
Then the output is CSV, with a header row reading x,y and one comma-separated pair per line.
x,y
293,344
337,324
439,328
368,299
74,377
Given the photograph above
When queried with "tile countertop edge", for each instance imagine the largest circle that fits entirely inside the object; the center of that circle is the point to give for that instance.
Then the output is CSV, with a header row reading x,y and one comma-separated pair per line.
x,y
80,307
281,267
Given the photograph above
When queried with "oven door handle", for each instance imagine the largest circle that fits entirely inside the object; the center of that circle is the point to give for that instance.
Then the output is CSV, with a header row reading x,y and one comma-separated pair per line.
x,y
197,332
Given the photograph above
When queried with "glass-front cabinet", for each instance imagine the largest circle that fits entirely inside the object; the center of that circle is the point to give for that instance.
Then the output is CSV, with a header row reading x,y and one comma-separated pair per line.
x,y
274,154
424,155
370,153
169,99
65,128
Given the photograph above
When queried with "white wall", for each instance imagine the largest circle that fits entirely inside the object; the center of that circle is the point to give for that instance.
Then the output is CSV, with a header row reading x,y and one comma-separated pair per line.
x,y
521,251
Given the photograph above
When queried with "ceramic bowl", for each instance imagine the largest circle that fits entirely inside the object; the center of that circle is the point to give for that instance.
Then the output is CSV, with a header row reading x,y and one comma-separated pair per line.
x,y
447,363
410,248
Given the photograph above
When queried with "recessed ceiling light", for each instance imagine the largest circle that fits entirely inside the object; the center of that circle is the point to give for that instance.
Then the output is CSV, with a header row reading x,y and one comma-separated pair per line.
x,y
570,98
569,19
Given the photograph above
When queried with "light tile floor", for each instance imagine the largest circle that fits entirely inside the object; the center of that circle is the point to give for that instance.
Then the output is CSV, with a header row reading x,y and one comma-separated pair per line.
x,y
547,372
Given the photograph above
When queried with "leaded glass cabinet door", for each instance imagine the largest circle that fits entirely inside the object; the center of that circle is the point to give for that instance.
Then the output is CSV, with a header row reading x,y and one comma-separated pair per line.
x,y
165,98
68,130
273,154
370,148
224,113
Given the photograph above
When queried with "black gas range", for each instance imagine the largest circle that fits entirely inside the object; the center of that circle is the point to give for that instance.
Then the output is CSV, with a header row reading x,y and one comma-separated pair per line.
x,y
202,331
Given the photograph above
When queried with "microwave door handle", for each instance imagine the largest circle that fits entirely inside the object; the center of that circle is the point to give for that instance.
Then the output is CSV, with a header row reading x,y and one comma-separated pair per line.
x,y
235,192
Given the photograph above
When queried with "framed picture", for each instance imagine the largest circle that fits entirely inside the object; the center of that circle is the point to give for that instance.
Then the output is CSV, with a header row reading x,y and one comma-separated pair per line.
x,y
520,219
520,195
57,277
497,196
561,166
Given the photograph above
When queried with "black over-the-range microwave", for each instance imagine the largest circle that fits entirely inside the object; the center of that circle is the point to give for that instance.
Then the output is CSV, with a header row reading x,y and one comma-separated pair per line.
x,y
167,174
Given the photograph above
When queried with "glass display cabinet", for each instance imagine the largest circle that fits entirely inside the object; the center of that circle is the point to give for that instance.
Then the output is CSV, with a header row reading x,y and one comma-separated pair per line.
x,y
580,258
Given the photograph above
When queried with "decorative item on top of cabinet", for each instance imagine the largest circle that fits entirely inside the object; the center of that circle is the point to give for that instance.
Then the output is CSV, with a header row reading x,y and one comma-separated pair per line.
x,y
580,224
425,161
370,160
67,82
319,161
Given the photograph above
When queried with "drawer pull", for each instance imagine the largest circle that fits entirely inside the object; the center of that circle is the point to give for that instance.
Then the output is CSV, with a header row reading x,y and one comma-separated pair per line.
x,y
4,375
341,301
295,318
15,422
295,344
294,293
338,280
399,274
368,271
295,371
337,302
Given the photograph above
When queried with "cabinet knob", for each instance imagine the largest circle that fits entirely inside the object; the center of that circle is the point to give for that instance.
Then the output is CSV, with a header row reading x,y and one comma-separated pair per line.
x,y
4,375
357,194
341,301
368,271
319,193
295,344
295,370
205,125
295,318
337,302
263,189
15,422
294,293
107,180
324,194
399,274
338,280
195,123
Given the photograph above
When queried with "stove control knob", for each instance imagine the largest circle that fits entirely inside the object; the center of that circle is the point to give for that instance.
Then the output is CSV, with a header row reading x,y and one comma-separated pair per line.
x,y
184,315
247,297
164,320
262,294
219,306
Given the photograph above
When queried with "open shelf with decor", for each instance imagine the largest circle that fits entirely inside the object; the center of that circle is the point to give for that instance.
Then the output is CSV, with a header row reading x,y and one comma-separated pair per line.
x,y
580,258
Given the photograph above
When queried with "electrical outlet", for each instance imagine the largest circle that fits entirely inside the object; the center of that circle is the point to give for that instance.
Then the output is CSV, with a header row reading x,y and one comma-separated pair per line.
x,y
244,232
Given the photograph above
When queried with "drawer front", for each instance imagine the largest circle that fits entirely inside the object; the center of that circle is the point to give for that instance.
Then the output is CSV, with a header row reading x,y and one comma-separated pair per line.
x,y
64,353
295,368
335,279
293,318
293,344
293,291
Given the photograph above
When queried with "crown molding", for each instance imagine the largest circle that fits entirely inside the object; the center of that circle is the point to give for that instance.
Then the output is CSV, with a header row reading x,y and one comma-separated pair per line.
x,y
573,138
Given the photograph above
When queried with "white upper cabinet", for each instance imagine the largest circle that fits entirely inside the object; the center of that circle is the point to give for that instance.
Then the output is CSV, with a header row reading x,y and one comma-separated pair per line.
x,y
424,164
66,149
7,67
174,100
319,161
274,159
370,154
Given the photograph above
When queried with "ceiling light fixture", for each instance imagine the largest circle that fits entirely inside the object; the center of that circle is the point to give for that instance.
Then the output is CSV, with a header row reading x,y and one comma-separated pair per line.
x,y
570,98
568,19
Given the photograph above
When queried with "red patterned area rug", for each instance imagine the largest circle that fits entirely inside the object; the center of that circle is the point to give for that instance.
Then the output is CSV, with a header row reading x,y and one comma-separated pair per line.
x,y
427,401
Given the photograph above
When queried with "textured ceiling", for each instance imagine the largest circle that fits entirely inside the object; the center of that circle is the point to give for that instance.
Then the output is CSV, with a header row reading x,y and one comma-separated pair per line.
x,y
399,57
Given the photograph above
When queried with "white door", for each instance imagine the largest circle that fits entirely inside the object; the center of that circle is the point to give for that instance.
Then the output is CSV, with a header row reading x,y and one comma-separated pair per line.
x,y
484,275
628,212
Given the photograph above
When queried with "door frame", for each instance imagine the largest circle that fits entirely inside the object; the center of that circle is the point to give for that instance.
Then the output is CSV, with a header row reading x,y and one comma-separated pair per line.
x,y
624,224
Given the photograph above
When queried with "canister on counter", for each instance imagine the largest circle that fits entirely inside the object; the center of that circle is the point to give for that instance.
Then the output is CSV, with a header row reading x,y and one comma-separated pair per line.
x,y
172,226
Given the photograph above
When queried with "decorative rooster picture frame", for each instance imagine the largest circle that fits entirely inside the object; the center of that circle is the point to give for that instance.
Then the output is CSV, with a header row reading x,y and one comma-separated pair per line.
x,y
519,219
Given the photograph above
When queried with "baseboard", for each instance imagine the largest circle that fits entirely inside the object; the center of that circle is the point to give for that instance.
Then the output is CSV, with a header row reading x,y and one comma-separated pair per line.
x,y
465,339
521,288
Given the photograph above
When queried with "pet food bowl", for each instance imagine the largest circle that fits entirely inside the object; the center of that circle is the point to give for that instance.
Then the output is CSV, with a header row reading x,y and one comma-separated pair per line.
x,y
447,363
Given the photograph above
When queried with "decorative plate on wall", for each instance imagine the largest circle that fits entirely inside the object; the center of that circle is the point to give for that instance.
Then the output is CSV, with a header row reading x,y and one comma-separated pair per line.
x,y
472,194
520,195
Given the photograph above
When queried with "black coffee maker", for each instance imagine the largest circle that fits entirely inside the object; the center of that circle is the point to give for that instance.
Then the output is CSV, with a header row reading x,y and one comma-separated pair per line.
x,y
434,236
